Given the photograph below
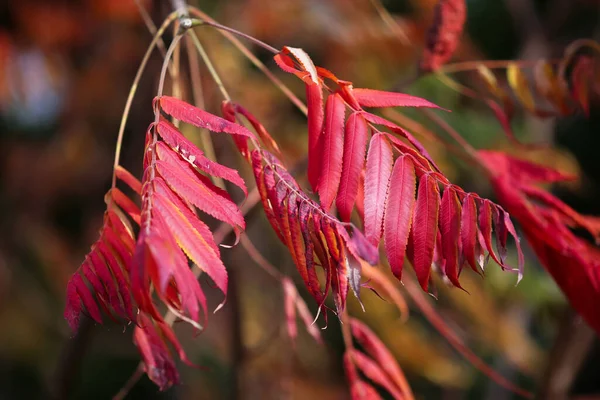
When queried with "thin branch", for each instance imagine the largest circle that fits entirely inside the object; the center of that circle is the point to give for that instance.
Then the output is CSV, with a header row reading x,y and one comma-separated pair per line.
x,y
257,63
259,259
133,90
198,99
390,22
180,7
211,68
150,26
133,379
200,22
418,297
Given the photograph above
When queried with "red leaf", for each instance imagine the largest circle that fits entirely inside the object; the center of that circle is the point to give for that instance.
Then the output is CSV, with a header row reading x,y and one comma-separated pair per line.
x,y
522,170
187,113
359,246
270,144
314,100
377,177
192,235
264,178
360,390
374,372
189,152
290,296
78,294
126,204
378,98
425,227
197,191
355,141
444,34
377,350
158,363
485,227
305,216
241,142
468,232
402,132
333,141
450,219
129,179
398,213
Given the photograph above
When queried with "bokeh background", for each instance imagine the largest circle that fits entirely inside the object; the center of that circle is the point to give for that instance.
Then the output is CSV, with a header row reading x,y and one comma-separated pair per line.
x,y
65,71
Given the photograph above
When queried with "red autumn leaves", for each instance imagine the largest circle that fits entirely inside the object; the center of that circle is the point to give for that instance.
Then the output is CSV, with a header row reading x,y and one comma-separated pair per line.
x,y
176,184
444,33
397,189
548,225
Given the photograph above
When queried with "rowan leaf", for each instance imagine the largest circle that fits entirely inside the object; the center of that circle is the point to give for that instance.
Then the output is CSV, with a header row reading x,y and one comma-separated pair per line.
x,y
379,99
187,113
485,227
374,372
333,142
190,153
380,354
315,117
191,187
192,235
425,228
377,177
355,141
468,231
398,213
450,224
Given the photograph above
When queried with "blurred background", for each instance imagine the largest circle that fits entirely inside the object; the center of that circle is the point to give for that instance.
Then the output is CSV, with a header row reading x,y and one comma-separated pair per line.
x,y
65,72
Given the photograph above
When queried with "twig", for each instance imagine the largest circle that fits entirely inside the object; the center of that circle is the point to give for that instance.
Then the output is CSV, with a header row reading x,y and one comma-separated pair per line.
x,y
259,259
180,7
236,32
390,22
418,297
139,372
70,360
133,90
257,63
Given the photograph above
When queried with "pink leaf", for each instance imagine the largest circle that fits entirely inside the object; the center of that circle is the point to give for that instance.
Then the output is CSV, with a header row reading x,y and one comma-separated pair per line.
x,y
378,98
377,177
450,218
187,113
333,140
355,141
195,156
425,227
398,213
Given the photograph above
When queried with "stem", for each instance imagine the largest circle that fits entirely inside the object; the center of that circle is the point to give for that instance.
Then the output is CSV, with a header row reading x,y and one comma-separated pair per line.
x,y
346,332
133,90
492,64
211,69
205,138
196,22
390,22
151,27
418,297
257,63
180,7
133,379
259,259
70,360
